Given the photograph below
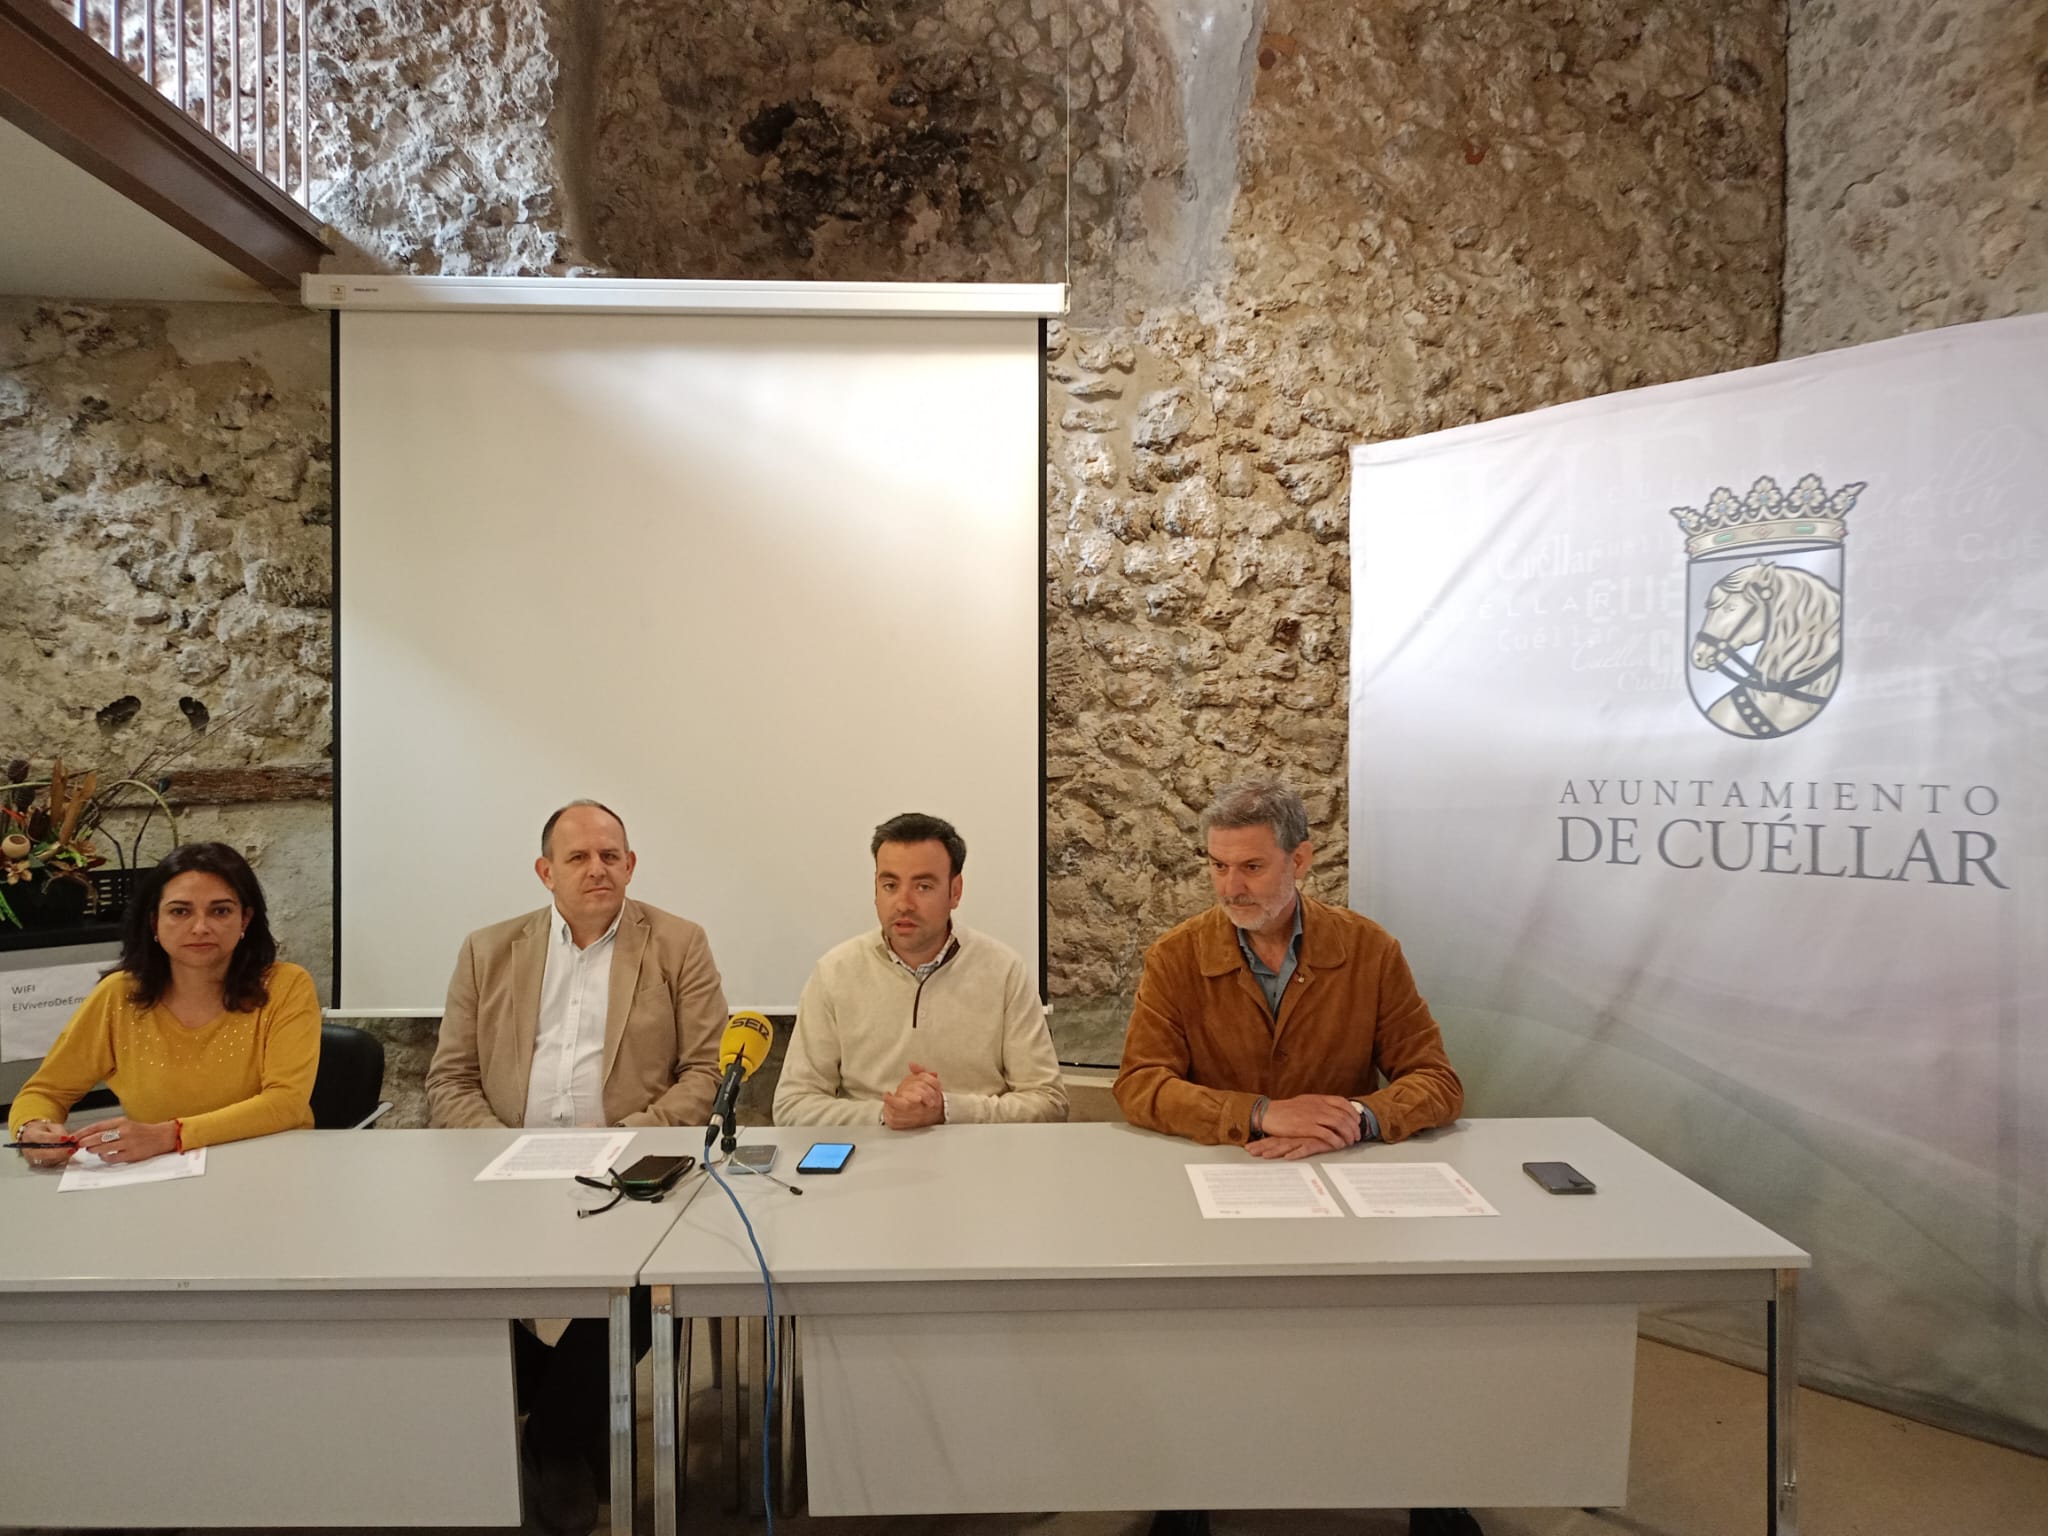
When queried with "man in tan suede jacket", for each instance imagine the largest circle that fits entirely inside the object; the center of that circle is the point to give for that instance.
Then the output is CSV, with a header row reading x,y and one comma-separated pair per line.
x,y
1281,1024
593,1011
1271,1019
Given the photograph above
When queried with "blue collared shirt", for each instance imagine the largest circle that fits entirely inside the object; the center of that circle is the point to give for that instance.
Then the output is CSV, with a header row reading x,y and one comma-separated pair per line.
x,y
1274,984
1271,982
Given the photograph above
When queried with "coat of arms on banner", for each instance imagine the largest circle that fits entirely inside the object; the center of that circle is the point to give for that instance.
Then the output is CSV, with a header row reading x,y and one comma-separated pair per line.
x,y
1763,603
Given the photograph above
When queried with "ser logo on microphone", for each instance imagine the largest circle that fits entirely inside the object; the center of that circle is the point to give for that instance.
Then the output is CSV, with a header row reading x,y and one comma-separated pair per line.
x,y
740,1053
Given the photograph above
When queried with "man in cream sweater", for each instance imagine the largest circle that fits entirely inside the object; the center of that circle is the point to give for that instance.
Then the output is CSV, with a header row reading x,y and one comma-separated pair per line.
x,y
923,1022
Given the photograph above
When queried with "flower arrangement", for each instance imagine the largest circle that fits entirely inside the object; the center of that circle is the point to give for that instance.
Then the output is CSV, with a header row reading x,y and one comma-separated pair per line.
x,y
52,840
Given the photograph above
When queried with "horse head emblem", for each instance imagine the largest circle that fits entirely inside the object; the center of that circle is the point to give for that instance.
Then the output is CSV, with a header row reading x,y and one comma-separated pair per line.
x,y
1764,603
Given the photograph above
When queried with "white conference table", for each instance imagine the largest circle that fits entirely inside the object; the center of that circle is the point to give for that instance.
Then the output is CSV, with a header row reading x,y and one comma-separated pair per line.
x,y
1004,1318
312,1333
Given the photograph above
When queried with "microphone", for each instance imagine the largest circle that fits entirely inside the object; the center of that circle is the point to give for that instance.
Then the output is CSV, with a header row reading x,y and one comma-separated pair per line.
x,y
741,1051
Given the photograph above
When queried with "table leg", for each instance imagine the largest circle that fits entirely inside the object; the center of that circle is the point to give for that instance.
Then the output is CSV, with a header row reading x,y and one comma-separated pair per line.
x,y
622,1412
729,1409
1783,1453
667,1387
785,1415
757,1465
685,1337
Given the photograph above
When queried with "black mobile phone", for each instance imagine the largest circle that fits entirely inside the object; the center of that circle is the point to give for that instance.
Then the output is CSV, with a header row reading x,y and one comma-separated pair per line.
x,y
652,1175
754,1156
1560,1178
826,1157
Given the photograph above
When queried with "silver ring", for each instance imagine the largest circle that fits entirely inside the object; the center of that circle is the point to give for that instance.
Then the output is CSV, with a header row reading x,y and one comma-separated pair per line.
x,y
110,1135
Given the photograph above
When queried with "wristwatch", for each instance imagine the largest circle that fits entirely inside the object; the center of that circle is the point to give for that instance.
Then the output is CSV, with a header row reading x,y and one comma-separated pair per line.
x,y
1364,1118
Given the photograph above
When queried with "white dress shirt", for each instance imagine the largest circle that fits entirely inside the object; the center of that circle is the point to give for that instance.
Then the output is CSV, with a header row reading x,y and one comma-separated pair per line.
x,y
566,1085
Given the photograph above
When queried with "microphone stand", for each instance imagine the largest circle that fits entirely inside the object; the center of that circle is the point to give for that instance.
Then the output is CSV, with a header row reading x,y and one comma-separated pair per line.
x,y
724,1132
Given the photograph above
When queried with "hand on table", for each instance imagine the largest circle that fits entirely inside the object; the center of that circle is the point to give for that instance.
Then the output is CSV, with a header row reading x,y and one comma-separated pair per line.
x,y
1289,1147
917,1101
1323,1118
121,1140
61,1145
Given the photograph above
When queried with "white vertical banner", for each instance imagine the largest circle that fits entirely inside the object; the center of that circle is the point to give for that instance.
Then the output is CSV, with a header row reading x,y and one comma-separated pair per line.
x,y
1699,747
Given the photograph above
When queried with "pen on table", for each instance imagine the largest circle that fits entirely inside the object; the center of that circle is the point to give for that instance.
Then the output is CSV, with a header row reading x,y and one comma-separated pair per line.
x,y
39,1146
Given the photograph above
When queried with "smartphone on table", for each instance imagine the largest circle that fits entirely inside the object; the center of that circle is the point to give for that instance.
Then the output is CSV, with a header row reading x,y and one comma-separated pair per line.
x,y
653,1175
1559,1178
826,1157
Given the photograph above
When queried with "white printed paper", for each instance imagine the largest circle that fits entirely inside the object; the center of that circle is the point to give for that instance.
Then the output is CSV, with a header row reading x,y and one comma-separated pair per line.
x,y
36,1004
1407,1189
1260,1189
558,1155
86,1171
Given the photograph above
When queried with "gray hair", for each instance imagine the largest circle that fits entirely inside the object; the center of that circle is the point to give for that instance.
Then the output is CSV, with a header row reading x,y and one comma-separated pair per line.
x,y
547,831
1259,803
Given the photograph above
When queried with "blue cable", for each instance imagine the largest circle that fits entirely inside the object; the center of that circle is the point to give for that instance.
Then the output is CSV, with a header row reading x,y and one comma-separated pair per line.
x,y
768,1398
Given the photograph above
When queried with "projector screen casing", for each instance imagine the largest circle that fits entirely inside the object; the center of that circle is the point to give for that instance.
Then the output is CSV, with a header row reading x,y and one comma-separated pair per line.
x,y
757,583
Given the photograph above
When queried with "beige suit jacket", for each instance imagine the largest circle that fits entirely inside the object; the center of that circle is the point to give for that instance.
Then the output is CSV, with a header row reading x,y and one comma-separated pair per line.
x,y
661,1029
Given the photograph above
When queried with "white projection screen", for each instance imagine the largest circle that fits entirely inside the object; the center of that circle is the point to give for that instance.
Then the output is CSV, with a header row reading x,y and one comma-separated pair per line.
x,y
758,583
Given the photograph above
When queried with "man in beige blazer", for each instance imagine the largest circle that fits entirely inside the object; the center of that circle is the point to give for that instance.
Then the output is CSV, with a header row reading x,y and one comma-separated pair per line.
x,y
664,1006
593,1011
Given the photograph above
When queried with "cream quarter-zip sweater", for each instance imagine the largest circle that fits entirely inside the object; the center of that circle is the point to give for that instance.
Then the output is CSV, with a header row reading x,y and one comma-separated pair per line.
x,y
975,1021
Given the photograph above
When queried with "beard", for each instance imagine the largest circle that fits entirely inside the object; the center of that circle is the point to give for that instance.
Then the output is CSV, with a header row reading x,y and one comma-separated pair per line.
x,y
1256,915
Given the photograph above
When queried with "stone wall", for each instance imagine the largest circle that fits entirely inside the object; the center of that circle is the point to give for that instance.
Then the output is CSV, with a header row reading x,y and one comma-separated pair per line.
x,y
891,140
1443,213
1916,167
165,513
1296,226
434,149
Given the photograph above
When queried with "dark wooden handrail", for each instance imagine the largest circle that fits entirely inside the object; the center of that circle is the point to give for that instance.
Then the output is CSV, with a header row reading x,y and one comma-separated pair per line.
x,y
65,90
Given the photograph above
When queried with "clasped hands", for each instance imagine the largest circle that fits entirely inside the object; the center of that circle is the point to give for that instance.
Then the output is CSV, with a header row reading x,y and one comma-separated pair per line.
x,y
119,1140
1305,1125
917,1101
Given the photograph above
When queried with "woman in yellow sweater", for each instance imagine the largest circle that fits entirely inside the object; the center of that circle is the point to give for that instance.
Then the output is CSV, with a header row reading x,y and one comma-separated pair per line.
x,y
199,1030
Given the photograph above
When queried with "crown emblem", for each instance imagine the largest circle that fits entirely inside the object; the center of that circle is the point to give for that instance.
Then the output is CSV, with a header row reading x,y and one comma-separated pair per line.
x,y
1807,514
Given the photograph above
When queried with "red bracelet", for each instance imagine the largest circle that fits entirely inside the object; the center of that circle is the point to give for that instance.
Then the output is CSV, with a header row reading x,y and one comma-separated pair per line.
x,y
177,1135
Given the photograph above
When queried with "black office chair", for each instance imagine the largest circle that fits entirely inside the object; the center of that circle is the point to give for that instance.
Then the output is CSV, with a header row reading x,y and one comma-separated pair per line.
x,y
351,1076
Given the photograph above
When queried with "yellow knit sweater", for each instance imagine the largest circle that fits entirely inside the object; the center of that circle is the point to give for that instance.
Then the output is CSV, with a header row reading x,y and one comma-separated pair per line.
x,y
241,1075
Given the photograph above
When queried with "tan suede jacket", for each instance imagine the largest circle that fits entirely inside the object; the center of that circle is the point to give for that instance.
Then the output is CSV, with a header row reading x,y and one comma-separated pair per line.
x,y
1202,1047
